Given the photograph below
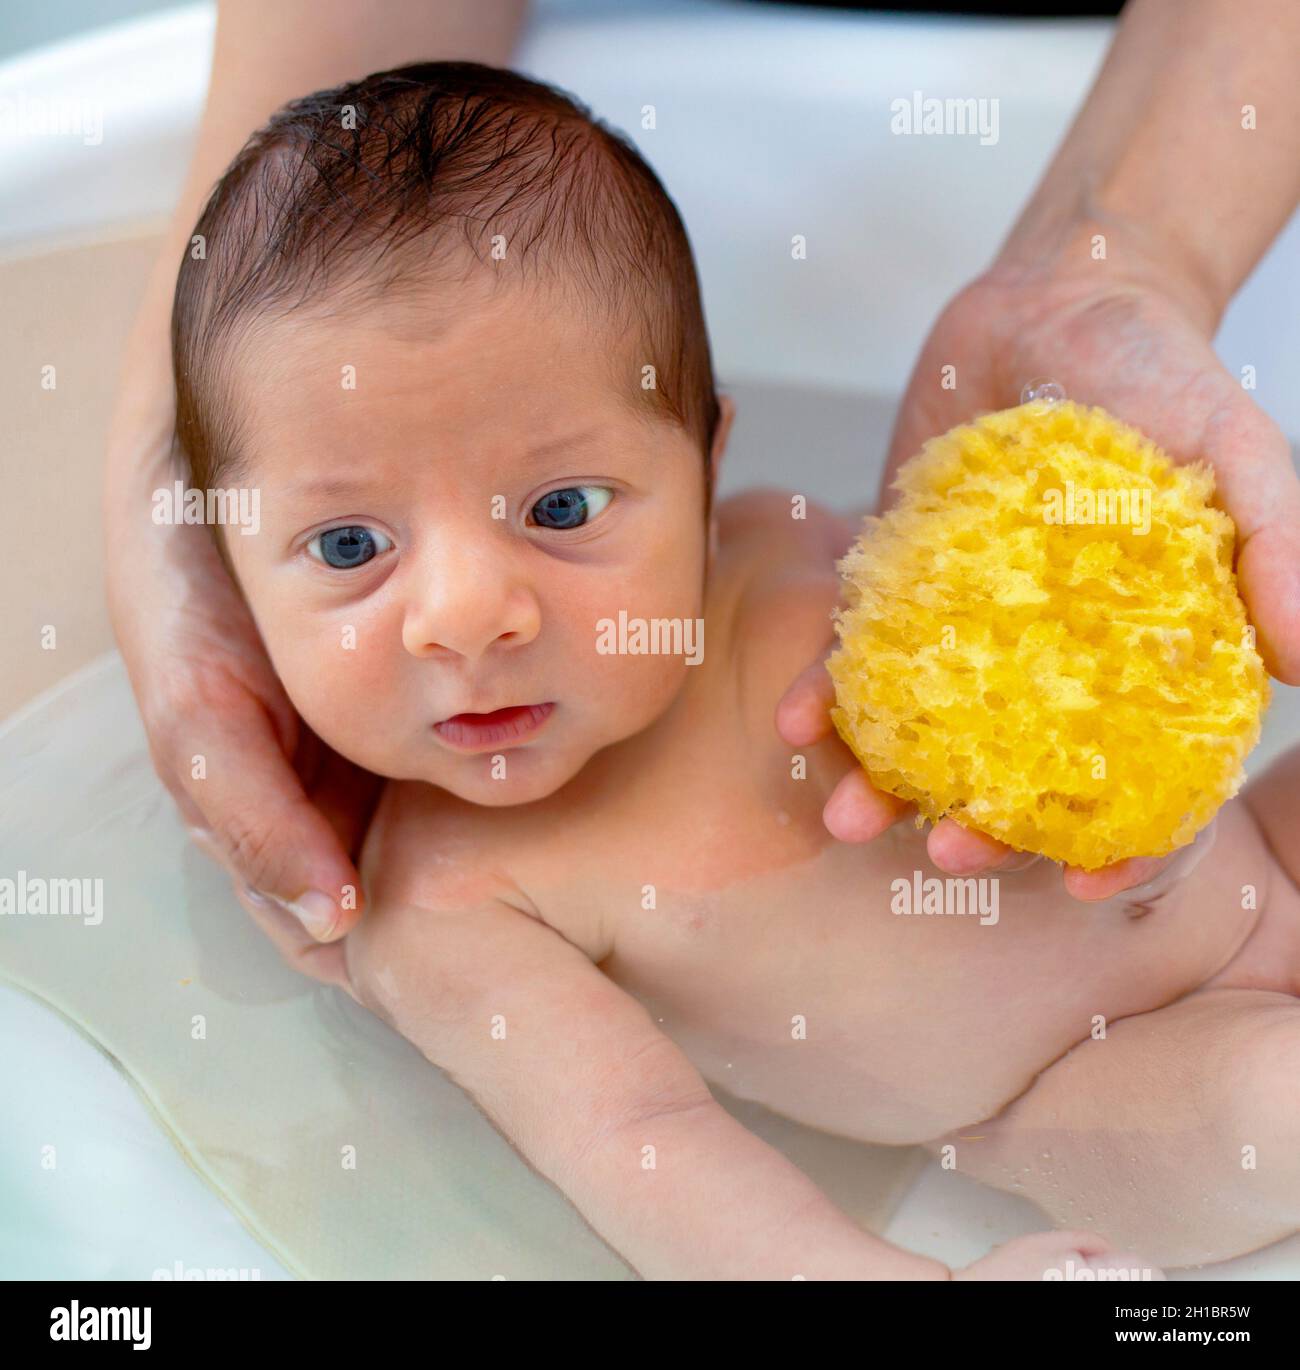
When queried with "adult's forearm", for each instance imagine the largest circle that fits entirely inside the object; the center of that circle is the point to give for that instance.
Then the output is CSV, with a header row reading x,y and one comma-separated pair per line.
x,y
1160,159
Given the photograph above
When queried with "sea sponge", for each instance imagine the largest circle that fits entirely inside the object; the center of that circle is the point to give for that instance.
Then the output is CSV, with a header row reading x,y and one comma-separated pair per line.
x,y
1044,639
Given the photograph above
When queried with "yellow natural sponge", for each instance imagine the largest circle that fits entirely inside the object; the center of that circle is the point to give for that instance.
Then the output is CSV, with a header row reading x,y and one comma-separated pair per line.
x,y
1044,639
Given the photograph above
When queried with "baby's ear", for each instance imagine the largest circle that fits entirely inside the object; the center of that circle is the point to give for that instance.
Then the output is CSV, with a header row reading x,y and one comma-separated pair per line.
x,y
717,451
721,434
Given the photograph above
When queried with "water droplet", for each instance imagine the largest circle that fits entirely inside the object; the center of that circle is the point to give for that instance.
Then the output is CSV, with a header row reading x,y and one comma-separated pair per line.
x,y
1042,391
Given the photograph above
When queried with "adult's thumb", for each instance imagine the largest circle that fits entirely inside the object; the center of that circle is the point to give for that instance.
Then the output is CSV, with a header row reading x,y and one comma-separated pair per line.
x,y
266,828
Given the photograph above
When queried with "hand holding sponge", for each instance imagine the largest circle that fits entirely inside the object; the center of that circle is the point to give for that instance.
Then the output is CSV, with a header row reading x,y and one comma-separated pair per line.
x,y
1043,639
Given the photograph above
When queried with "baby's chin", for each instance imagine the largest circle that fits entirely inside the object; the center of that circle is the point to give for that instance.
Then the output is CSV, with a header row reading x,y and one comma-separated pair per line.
x,y
503,792
518,775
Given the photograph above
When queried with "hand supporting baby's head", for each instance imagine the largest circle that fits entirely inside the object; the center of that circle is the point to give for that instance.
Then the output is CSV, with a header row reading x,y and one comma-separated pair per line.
x,y
448,328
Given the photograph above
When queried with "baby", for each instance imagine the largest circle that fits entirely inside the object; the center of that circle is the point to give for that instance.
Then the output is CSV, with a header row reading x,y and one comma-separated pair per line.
x,y
449,328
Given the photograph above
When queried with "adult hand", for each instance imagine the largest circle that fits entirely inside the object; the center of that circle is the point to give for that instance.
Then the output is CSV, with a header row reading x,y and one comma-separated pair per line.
x,y
1186,186
1139,347
259,791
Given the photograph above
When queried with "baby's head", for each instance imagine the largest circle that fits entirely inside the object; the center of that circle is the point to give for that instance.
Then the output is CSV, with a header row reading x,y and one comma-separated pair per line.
x,y
448,328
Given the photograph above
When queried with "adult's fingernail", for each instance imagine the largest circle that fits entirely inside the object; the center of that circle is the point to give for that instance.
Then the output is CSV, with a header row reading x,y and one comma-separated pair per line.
x,y
317,912
1171,870
1158,876
205,840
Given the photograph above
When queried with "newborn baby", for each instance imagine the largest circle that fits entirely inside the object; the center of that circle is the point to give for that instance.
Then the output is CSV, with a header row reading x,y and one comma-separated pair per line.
x,y
449,328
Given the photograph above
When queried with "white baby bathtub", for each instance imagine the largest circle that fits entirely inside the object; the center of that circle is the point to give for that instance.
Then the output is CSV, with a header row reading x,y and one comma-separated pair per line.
x,y
769,123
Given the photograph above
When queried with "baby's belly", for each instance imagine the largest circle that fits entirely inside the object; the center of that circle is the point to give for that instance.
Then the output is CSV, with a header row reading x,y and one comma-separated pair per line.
x,y
828,993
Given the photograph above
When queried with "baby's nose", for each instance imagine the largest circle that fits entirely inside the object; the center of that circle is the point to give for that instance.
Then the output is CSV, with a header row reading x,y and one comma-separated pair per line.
x,y
466,608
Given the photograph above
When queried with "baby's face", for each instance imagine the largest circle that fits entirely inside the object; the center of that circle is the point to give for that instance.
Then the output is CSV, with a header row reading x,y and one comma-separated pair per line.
x,y
444,538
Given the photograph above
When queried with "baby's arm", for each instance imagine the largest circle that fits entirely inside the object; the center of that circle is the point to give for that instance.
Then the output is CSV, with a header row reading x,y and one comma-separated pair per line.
x,y
582,1082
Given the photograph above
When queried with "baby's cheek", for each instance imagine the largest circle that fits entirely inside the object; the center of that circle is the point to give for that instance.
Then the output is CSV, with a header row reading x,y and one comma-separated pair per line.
x,y
647,684
344,693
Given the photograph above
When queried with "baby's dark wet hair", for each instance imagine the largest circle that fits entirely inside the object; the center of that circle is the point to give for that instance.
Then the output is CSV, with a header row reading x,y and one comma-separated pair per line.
x,y
425,175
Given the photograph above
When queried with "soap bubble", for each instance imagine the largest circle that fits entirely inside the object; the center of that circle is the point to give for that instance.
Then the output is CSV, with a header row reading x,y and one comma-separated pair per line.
x,y
1044,391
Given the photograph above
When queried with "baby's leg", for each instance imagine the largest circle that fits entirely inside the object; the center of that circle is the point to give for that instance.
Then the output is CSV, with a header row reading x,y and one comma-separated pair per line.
x,y
1177,1135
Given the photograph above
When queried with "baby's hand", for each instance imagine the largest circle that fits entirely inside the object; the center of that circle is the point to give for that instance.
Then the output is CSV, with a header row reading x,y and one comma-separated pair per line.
x,y
1059,1256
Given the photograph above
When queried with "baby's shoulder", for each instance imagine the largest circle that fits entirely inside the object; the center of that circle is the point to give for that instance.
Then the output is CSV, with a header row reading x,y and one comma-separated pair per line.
x,y
428,849
793,528
781,553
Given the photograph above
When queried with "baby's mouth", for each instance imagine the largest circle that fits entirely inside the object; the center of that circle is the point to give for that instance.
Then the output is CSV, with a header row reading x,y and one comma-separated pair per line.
x,y
472,732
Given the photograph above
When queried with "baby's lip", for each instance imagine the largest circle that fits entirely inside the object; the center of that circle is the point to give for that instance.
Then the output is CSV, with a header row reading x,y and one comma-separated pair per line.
x,y
470,732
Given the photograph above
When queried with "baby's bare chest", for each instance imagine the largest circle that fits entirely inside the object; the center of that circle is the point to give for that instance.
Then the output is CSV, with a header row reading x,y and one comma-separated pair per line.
x,y
855,988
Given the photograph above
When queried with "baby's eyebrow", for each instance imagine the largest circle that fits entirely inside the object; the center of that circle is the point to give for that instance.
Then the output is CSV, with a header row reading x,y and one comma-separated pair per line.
x,y
343,486
330,489
564,444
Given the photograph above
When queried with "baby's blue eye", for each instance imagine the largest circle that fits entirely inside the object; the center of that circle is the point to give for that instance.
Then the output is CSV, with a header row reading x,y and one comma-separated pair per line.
x,y
571,507
342,548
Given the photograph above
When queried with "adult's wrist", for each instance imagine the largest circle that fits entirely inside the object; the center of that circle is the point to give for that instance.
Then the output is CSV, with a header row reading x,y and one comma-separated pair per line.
x,y
1091,250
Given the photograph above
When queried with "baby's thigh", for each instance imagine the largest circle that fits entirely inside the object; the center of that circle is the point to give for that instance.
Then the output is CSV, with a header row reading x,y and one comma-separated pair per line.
x,y
1177,1133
